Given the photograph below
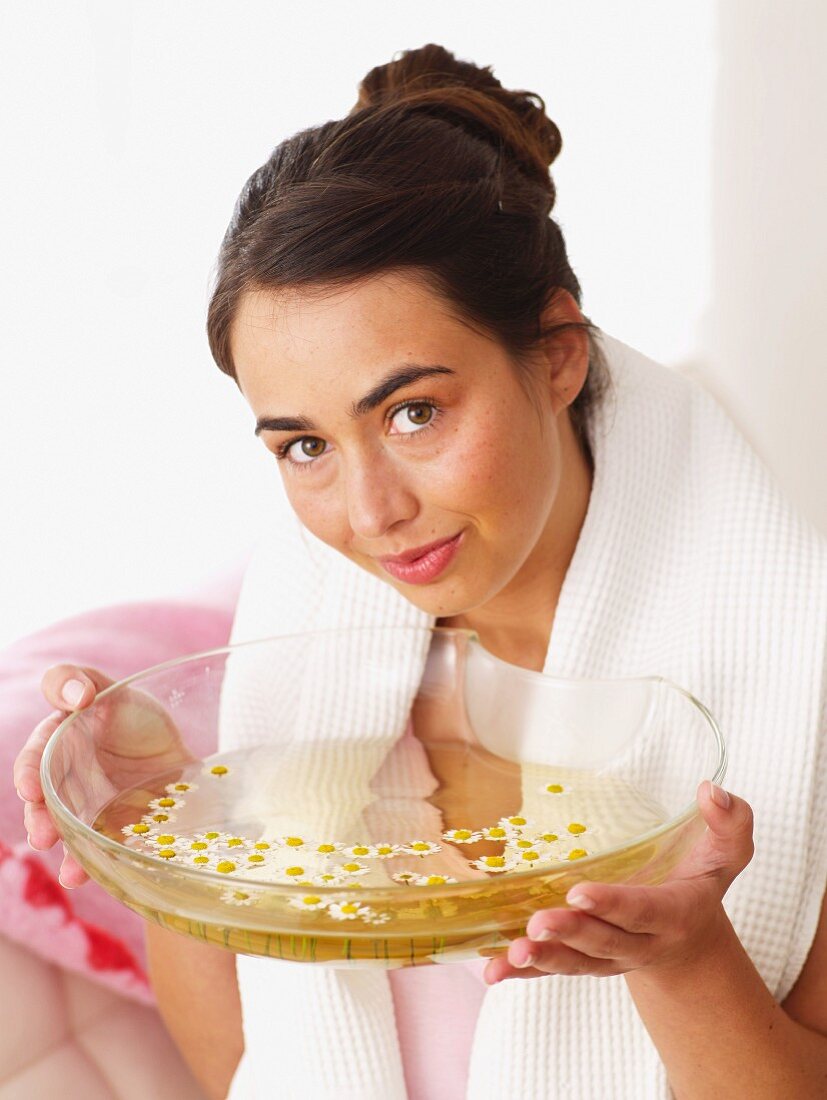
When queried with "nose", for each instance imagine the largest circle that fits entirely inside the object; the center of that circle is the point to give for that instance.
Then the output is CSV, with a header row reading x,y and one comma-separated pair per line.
x,y
378,496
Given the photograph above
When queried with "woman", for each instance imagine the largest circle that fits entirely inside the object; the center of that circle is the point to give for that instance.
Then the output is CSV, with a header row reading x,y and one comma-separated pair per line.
x,y
397,308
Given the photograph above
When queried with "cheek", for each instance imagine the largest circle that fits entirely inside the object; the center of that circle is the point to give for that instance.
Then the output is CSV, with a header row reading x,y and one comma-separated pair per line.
x,y
318,510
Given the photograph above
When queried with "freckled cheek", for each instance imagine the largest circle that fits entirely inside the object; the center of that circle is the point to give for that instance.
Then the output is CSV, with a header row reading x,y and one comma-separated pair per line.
x,y
322,512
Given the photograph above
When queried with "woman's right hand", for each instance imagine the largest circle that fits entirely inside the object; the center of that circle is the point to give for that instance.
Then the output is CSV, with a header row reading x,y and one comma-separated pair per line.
x,y
122,755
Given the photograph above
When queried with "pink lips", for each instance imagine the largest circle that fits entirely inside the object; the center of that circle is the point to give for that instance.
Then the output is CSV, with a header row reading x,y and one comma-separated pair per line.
x,y
428,565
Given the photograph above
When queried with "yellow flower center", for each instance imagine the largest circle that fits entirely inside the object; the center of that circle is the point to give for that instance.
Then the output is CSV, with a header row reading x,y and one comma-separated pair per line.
x,y
494,861
517,821
554,788
462,834
351,867
420,846
198,845
225,866
201,859
549,838
255,859
261,845
530,856
435,880
239,895
165,838
140,828
294,872
350,907
166,801
522,843
577,828
160,817
325,848
360,850
219,769
212,836
311,899
384,849
294,842
577,853
496,832
234,842
166,853
182,786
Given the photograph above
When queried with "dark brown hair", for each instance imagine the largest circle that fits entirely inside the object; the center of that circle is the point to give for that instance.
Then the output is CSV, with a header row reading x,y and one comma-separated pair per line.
x,y
437,171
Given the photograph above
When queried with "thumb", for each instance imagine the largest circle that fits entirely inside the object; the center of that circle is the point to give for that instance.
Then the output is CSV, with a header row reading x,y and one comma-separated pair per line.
x,y
729,822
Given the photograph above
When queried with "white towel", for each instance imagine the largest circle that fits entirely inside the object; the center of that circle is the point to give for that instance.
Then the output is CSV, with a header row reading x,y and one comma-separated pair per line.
x,y
690,565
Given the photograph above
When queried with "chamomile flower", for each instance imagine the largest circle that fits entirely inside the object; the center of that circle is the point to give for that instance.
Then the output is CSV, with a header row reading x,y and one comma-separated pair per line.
x,y
239,843
353,867
162,840
577,853
328,878
217,770
161,817
359,851
527,859
347,910
386,850
257,859
554,788
179,788
226,866
421,848
517,822
433,880
139,829
293,873
328,848
493,863
546,838
237,897
294,842
405,878
462,836
166,853
309,902
167,802
575,828
519,843
199,859
498,832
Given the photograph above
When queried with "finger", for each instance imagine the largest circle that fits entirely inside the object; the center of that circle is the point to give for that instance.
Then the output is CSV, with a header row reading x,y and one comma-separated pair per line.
x,y
526,959
39,826
26,769
638,909
71,873
70,687
729,820
590,936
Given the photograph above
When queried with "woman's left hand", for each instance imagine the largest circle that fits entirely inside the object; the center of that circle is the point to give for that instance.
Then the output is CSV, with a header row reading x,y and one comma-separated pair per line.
x,y
615,929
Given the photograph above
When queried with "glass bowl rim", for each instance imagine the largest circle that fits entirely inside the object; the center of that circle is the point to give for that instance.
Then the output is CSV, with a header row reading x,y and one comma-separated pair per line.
x,y
452,889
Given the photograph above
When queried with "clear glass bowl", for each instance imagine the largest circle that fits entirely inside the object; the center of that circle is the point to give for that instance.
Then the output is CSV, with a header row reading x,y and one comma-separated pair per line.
x,y
449,794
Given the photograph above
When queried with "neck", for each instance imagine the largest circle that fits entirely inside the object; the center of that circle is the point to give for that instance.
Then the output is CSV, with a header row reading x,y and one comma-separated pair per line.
x,y
516,624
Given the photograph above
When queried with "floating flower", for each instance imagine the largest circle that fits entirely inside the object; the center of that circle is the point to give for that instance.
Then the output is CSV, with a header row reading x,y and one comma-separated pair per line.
x,y
328,878
225,866
237,897
421,848
328,848
309,902
294,872
290,842
348,910
386,851
546,838
433,880
256,858
163,840
354,867
575,828
218,769
139,829
520,843
554,788
159,818
358,851
529,857
577,853
461,836
166,853
165,803
177,788
235,842
497,832
405,878
517,822
199,859
493,863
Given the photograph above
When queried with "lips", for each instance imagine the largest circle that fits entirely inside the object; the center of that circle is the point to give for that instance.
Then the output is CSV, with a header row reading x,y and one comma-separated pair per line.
x,y
423,567
412,555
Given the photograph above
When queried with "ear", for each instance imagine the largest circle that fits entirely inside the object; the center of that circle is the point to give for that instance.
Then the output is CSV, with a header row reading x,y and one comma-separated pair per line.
x,y
566,352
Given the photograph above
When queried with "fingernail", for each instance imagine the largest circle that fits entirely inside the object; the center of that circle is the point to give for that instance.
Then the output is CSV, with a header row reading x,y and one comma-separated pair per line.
x,y
73,692
719,796
529,960
543,935
19,795
29,842
580,901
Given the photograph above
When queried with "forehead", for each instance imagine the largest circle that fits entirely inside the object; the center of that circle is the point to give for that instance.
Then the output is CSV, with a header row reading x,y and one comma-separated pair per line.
x,y
360,330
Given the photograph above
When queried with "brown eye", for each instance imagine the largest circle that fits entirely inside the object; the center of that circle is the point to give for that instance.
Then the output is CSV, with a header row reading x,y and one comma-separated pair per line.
x,y
312,447
419,414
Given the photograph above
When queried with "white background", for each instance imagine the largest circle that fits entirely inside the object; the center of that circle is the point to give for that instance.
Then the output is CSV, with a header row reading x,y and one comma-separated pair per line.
x,y
129,466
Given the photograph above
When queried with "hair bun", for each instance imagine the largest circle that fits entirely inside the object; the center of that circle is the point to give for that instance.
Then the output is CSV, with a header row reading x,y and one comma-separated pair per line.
x,y
471,97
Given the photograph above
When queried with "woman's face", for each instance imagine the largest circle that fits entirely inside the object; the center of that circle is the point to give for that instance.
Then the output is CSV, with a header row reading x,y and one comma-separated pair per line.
x,y
397,426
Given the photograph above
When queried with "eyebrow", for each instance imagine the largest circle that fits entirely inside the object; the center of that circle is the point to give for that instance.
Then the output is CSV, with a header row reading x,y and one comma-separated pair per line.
x,y
404,375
